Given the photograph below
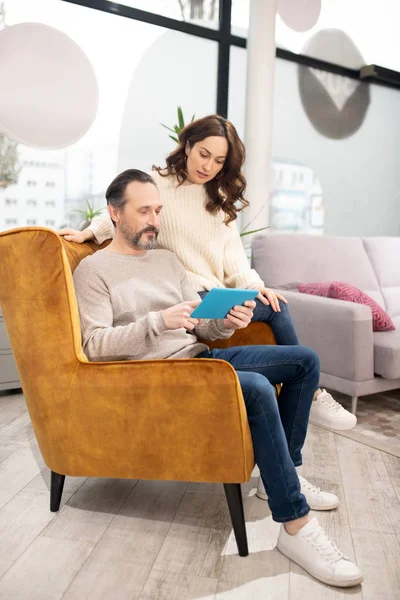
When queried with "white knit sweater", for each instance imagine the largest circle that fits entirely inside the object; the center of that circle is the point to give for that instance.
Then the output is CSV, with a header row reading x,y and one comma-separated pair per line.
x,y
211,252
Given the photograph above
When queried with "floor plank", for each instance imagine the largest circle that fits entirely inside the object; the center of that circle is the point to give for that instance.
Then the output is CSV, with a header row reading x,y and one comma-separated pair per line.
x,y
392,464
265,572
15,434
45,570
42,482
12,406
86,516
378,555
21,521
371,500
18,470
163,585
204,510
122,560
193,550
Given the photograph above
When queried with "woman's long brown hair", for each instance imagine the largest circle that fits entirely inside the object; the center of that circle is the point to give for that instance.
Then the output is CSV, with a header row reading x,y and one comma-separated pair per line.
x,y
228,187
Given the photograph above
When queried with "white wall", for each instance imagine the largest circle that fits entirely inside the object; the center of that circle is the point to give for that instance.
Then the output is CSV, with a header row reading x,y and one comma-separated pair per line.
x,y
177,69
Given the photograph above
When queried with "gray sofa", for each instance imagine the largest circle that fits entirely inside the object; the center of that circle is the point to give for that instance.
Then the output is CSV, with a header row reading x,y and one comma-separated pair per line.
x,y
354,359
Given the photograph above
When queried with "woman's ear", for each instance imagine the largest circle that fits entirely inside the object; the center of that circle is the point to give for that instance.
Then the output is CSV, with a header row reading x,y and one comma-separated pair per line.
x,y
187,148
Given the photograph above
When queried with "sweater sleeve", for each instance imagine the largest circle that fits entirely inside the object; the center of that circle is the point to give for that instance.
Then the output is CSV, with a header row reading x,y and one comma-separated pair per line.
x,y
237,271
102,341
207,329
102,228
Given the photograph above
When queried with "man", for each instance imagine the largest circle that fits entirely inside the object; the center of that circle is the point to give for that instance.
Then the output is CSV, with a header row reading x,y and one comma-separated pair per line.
x,y
135,302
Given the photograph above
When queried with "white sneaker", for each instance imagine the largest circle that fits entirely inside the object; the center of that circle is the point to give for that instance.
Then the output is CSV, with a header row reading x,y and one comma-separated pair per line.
x,y
261,493
311,548
325,411
316,498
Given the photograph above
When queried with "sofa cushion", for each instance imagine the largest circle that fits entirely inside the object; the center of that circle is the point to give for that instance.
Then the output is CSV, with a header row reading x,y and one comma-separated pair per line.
x,y
387,352
284,261
343,291
384,254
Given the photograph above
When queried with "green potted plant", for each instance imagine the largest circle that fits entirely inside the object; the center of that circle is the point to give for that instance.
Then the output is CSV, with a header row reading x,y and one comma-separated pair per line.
x,y
176,129
88,215
10,166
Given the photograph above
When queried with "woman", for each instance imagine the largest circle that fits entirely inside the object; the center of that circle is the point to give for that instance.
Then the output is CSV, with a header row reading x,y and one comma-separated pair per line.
x,y
203,190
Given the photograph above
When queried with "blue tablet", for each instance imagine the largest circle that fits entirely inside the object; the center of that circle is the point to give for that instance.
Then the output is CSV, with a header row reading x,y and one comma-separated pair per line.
x,y
219,302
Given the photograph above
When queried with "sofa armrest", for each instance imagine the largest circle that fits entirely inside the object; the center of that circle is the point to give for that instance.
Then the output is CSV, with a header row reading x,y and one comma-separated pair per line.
x,y
339,331
179,420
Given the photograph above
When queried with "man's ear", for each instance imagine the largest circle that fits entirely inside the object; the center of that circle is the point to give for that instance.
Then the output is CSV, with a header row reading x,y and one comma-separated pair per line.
x,y
112,211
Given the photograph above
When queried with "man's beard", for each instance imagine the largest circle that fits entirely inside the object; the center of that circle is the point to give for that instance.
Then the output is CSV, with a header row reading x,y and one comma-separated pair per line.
x,y
134,238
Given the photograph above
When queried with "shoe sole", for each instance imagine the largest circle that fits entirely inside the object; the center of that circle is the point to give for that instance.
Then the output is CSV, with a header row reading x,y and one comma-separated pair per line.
x,y
329,507
330,428
262,496
342,584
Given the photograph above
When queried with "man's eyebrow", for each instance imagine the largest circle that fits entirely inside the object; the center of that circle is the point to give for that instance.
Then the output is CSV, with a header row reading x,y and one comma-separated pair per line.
x,y
148,206
208,152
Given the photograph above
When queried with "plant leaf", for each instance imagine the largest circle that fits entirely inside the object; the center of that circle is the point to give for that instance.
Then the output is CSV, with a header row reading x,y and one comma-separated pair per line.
x,y
253,231
166,127
181,120
193,118
174,138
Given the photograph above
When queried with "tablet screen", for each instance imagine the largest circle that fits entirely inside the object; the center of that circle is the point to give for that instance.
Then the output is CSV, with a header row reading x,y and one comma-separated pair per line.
x,y
219,301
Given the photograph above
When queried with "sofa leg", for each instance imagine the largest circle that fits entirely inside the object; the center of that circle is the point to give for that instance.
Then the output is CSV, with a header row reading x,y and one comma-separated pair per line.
x,y
56,490
233,493
354,402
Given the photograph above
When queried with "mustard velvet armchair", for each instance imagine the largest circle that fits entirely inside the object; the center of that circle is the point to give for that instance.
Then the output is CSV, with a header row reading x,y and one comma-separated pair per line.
x,y
179,420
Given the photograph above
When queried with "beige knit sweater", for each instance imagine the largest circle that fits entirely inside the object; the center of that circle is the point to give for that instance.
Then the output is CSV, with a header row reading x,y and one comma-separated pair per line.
x,y
211,252
121,298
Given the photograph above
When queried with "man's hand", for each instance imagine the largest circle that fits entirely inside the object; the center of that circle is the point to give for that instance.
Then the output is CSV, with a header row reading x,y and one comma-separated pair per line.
x,y
73,235
240,316
269,297
179,315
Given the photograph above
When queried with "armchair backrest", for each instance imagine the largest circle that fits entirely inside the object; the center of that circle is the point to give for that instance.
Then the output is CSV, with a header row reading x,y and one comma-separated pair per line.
x,y
39,306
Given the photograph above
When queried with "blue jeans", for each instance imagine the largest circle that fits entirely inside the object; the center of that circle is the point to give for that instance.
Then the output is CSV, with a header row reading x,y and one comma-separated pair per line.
x,y
281,322
278,428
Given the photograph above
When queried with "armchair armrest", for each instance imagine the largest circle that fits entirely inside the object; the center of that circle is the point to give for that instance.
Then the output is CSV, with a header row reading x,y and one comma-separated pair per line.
x,y
163,419
339,331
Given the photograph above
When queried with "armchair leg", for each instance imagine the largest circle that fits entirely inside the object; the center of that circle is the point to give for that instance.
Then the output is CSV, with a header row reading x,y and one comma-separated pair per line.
x,y
56,490
233,493
354,401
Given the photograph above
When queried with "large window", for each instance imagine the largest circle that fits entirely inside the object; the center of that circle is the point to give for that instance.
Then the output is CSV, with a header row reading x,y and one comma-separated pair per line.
x,y
324,124
144,73
339,179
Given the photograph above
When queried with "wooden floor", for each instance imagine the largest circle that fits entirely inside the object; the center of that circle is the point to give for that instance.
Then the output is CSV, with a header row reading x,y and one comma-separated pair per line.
x,y
153,540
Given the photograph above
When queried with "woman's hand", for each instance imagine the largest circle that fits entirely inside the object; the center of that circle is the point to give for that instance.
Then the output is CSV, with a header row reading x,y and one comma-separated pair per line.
x,y
267,297
240,316
74,235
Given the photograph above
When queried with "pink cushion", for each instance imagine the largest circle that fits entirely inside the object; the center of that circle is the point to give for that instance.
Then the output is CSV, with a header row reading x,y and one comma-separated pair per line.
x,y
344,291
